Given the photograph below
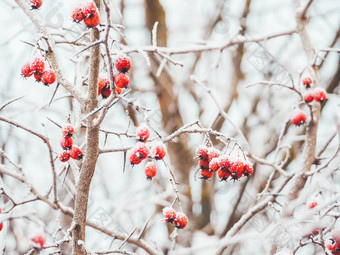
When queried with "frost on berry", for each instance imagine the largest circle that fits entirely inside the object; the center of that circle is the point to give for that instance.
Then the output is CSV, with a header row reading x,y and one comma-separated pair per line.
x,y
150,170
66,142
38,241
298,117
169,214
202,152
123,64
142,133
89,9
48,77
78,15
26,70
141,150
224,162
121,80
158,151
248,169
76,153
319,94
214,164
67,130
92,20
203,164
64,156
36,4
37,66
307,82
308,97
213,153
181,220
206,174
133,158
236,169
223,174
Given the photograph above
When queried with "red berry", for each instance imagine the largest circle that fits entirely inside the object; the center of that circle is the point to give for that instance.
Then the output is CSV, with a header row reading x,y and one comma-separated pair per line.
x,y
123,64
26,70
121,80
66,142
39,240
78,15
181,220
1,224
298,118
159,151
223,174
36,4
169,214
248,169
106,92
133,158
312,203
92,20
89,9
150,170
102,83
202,152
142,151
37,77
236,169
204,164
320,94
206,174
38,66
213,153
118,90
214,164
48,77
308,97
76,153
64,156
224,162
142,133
68,130
307,82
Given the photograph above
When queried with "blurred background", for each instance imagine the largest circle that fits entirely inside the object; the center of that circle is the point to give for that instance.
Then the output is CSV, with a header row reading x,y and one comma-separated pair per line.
x,y
121,201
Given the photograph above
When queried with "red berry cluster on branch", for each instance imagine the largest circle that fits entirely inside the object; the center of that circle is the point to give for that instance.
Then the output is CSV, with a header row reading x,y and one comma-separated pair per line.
x,y
228,167
66,142
178,219
123,65
88,13
318,94
37,68
36,4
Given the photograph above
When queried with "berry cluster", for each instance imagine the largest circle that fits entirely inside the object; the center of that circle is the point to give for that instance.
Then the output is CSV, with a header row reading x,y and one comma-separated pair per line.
x,y
37,68
1,224
104,87
88,13
211,160
66,143
318,94
38,241
36,4
334,244
178,219
142,151
123,65
298,117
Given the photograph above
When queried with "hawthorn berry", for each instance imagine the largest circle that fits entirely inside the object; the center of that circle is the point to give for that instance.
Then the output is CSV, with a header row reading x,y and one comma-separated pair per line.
x,y
308,97
76,153
311,204
89,9
169,214
37,66
37,77
224,162
133,158
1,224
39,240
307,82
202,152
150,170
121,80
236,169
213,153
106,92
319,94
48,77
142,151
181,220
142,133
248,169
223,174
214,164
66,142
118,90
206,174
204,164
102,83
64,156
26,70
159,151
123,64
92,21
67,130
299,118
36,4
78,15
